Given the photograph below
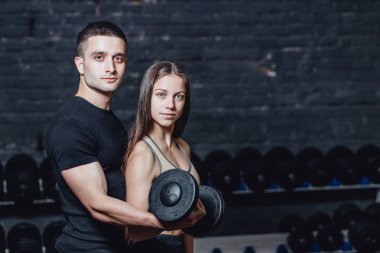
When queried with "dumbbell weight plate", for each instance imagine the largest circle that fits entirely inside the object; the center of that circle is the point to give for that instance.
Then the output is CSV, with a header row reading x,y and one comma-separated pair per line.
x,y
214,205
173,195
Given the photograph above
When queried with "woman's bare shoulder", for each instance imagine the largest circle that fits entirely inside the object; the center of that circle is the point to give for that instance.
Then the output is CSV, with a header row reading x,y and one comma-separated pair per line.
x,y
141,155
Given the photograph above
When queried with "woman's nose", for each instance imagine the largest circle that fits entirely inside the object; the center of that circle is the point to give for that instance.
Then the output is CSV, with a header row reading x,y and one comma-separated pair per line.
x,y
170,103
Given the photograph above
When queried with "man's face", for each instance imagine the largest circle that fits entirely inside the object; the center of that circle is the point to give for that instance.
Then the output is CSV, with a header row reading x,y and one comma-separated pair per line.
x,y
103,63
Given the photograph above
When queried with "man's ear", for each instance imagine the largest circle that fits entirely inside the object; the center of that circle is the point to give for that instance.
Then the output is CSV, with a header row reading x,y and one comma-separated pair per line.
x,y
79,63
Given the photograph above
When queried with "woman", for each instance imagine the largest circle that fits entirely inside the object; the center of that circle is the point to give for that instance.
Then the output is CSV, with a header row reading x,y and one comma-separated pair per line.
x,y
155,146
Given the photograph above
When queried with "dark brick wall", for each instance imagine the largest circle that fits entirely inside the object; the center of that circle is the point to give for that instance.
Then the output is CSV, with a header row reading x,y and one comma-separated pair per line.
x,y
263,73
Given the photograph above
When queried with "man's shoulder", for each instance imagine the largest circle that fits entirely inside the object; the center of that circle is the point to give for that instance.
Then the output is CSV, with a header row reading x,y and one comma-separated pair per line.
x,y
73,110
70,108
69,117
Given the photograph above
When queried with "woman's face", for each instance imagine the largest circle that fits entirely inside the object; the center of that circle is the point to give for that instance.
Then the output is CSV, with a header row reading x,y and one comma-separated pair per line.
x,y
168,100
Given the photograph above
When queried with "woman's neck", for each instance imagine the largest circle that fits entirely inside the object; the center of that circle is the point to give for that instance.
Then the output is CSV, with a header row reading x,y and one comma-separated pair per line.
x,y
163,137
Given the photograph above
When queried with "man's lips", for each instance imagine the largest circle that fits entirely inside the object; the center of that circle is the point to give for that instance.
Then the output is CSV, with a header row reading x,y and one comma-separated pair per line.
x,y
109,79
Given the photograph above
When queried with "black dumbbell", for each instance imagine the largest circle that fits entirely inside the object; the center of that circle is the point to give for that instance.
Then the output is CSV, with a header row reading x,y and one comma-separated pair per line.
x,y
48,180
21,174
173,196
51,234
300,237
348,167
24,238
347,214
223,173
254,169
364,235
330,238
369,155
316,169
285,167
300,240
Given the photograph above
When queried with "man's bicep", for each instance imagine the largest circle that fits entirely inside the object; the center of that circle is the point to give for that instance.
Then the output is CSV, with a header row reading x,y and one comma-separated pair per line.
x,y
86,181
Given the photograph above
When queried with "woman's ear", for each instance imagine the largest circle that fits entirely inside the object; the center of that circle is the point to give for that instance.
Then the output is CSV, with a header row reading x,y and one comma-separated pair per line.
x,y
79,64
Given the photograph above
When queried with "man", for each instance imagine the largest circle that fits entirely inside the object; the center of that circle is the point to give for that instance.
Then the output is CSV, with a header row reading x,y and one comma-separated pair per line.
x,y
86,143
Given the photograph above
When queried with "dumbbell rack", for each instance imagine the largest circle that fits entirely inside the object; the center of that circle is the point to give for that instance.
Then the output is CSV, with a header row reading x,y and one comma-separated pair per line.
x,y
40,213
262,243
251,218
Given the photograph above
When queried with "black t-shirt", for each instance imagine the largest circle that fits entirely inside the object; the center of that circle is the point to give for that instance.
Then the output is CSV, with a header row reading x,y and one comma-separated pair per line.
x,y
82,133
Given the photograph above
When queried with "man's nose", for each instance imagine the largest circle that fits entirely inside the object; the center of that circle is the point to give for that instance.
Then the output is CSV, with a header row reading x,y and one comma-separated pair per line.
x,y
110,65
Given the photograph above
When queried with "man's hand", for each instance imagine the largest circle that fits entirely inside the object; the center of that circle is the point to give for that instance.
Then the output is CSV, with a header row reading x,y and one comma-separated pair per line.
x,y
196,215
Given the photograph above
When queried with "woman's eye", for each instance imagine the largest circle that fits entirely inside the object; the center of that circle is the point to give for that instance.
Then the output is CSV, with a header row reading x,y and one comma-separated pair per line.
x,y
161,94
180,97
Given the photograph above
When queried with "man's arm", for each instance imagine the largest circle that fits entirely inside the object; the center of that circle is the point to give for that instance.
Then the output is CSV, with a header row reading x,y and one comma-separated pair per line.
x,y
89,184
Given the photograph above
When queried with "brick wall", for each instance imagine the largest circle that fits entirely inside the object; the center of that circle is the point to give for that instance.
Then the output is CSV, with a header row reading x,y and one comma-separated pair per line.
x,y
263,73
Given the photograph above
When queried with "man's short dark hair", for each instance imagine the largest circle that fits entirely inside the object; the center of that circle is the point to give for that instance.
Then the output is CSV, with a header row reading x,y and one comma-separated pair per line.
x,y
103,28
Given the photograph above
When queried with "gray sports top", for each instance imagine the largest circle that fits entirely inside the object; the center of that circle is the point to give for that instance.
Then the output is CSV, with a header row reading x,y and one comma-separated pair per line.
x,y
163,161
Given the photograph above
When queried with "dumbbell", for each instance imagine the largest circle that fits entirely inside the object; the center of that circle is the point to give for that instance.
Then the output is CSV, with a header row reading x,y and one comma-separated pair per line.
x,y
364,235
317,170
369,155
222,170
173,196
347,214
348,167
329,237
300,237
48,180
21,174
51,234
254,169
285,167
24,237
300,240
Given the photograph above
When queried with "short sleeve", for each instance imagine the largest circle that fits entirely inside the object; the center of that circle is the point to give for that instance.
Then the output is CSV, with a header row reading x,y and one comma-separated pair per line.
x,y
69,143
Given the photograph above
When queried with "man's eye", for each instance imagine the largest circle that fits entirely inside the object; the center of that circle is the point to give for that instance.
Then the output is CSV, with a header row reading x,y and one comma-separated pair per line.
x,y
119,59
99,57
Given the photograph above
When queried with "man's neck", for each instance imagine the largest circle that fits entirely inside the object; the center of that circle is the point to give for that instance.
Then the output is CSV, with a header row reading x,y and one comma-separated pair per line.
x,y
94,97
